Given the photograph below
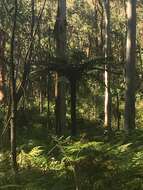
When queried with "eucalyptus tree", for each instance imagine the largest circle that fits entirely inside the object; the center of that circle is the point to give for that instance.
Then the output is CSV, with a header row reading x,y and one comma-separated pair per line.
x,y
60,36
107,51
130,72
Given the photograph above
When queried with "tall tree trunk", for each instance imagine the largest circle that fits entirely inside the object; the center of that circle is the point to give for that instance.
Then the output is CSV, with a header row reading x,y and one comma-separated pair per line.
x,y
129,122
60,35
2,66
107,103
13,93
3,99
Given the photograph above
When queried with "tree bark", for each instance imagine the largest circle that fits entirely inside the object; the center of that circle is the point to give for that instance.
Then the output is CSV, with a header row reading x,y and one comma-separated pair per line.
x,y
60,35
129,122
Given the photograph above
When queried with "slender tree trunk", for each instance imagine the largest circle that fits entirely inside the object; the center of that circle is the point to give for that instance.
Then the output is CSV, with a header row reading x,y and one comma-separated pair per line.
x,y
96,26
60,35
73,106
107,103
129,122
2,66
13,93
5,137
118,111
40,101
48,101
32,17
101,28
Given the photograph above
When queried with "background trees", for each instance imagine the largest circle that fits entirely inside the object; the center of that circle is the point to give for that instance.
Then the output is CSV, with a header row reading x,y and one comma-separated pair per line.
x,y
51,49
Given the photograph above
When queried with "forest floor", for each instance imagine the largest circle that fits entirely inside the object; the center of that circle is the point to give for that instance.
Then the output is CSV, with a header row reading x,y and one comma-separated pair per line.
x,y
90,161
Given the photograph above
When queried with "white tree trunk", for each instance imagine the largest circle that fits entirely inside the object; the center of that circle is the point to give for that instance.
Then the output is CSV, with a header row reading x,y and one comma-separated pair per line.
x,y
107,49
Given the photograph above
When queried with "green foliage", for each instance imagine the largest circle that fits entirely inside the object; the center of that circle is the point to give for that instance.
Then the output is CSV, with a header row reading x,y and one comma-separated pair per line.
x,y
95,163
32,159
139,115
